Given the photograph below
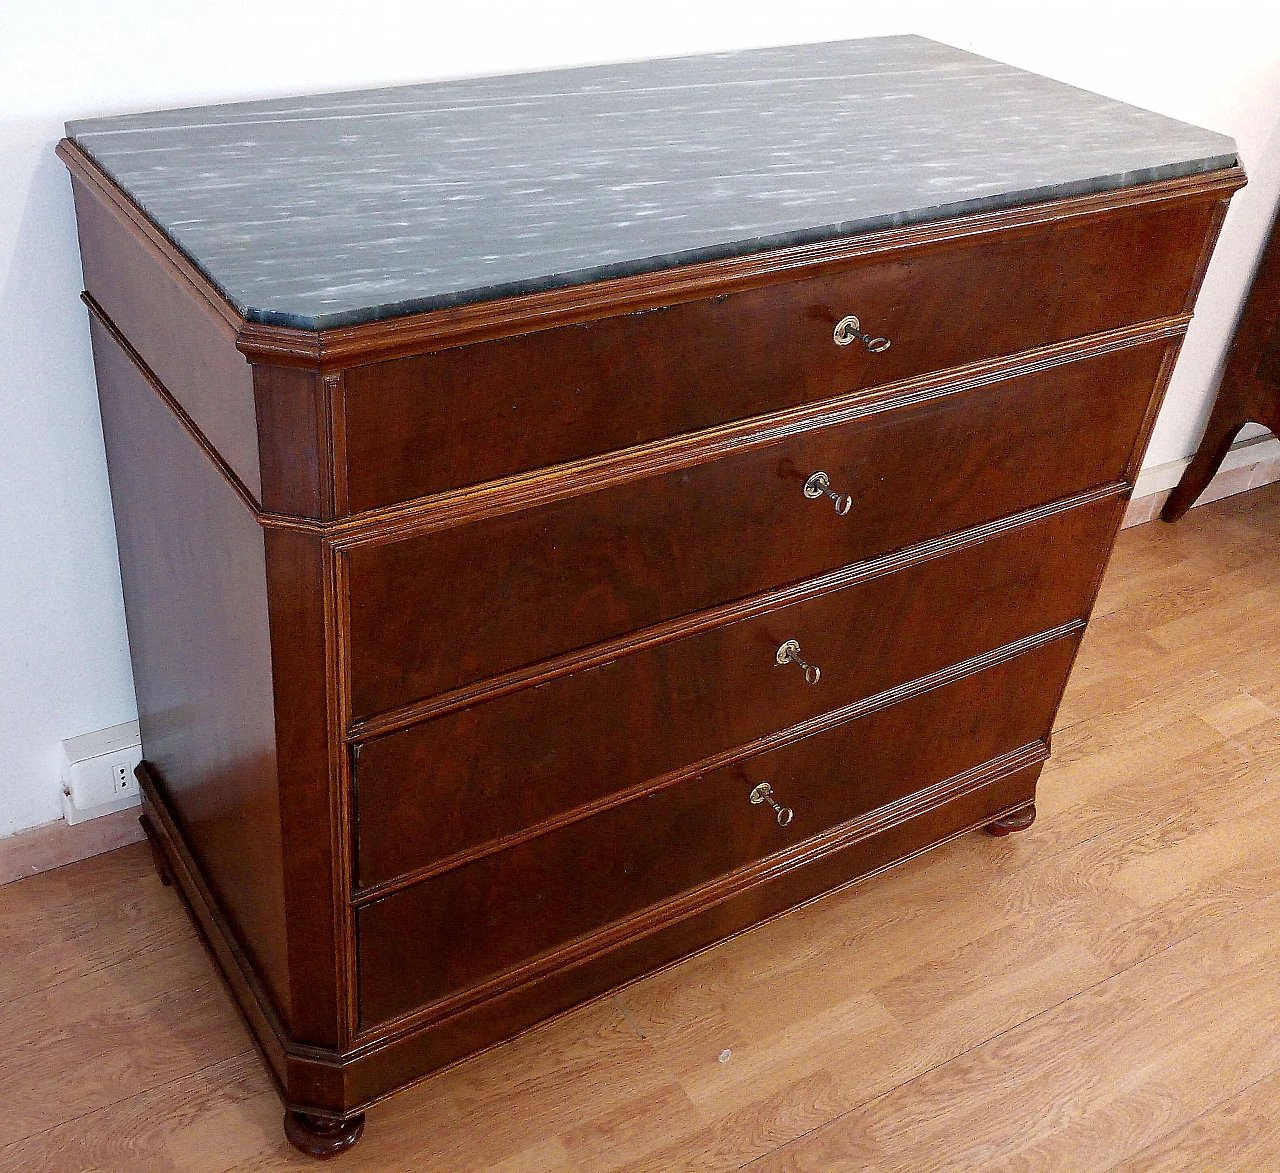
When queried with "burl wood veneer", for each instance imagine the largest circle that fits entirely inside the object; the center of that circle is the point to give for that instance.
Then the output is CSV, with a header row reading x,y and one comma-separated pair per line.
x,y
497,643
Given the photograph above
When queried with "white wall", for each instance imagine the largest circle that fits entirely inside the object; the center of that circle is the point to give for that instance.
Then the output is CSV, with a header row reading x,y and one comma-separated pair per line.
x,y
63,659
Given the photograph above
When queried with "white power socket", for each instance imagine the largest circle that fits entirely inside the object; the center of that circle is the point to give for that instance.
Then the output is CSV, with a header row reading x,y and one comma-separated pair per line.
x,y
97,772
122,778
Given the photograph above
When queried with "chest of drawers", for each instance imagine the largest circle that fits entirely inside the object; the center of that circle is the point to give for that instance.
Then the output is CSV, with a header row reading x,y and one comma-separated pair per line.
x,y
565,520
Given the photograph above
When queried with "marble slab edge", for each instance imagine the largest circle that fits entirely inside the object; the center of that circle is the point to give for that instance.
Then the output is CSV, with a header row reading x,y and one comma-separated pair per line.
x,y
632,268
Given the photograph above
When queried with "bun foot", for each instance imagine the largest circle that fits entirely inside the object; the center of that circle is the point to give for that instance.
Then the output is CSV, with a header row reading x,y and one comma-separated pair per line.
x,y
318,1137
1018,820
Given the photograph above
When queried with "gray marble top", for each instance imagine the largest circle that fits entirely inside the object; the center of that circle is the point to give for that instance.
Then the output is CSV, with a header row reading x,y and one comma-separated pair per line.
x,y
345,208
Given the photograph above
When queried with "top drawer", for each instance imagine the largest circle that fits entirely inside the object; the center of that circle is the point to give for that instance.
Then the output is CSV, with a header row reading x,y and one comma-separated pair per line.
x,y
421,425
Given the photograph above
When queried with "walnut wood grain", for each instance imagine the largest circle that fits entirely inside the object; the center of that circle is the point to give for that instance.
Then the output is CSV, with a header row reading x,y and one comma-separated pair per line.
x,y
558,395
535,896
591,474
750,607
172,325
294,412
204,699
515,766
530,585
311,785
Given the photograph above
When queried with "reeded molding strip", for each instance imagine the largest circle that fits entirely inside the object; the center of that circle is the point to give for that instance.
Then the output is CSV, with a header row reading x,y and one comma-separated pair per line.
x,y
659,916
543,486
751,749
671,630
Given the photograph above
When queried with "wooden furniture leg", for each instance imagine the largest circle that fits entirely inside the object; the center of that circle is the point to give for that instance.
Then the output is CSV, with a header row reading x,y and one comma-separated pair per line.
x,y
1224,425
1250,389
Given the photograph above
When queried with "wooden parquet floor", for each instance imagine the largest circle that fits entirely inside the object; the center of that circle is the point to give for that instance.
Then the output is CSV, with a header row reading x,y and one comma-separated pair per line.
x,y
1101,992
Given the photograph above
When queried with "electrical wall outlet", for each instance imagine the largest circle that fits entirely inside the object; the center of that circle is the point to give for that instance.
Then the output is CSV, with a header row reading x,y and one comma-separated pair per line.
x,y
122,778
97,772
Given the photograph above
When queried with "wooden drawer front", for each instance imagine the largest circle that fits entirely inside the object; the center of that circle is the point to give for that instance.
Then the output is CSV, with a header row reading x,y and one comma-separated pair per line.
x,y
498,768
444,609
460,928
412,424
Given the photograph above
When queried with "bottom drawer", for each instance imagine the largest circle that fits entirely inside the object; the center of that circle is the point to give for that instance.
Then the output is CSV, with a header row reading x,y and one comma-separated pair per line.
x,y
459,929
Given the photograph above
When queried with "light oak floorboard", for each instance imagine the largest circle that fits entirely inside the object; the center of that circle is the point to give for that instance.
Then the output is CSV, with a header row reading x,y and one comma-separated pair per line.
x,y
1100,992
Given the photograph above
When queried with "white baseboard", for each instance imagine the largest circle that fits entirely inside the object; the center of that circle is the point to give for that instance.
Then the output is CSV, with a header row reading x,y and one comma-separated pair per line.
x,y
1257,450
1249,464
43,848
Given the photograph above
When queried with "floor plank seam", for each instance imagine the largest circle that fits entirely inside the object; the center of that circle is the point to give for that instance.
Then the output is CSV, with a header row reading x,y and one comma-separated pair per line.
x,y
1164,1136
213,982
628,1017
1083,990
155,1087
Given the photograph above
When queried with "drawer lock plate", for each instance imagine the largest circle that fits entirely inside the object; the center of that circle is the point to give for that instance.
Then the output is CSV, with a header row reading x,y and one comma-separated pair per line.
x,y
764,793
850,330
789,653
819,485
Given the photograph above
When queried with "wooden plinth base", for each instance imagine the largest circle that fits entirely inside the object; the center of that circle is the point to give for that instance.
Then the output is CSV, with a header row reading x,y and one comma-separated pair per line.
x,y
324,1091
157,855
